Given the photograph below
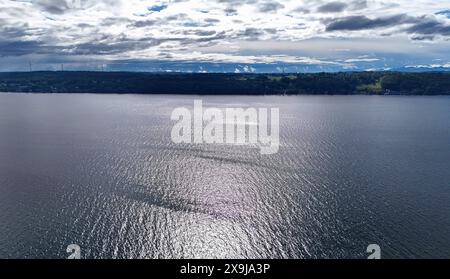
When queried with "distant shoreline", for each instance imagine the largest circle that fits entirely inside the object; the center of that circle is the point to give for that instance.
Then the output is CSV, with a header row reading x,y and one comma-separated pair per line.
x,y
343,83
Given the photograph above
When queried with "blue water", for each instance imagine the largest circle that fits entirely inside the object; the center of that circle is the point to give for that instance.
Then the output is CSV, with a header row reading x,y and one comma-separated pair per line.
x,y
102,172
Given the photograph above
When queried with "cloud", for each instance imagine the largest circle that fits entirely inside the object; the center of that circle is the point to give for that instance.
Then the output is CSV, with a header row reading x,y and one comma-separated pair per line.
x,y
13,32
301,10
53,6
142,23
352,23
445,13
230,11
353,60
333,7
423,25
429,26
270,7
250,33
222,30
359,4
18,48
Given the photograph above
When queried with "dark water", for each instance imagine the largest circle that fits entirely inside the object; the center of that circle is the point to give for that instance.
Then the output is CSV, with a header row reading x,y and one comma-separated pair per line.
x,y
103,173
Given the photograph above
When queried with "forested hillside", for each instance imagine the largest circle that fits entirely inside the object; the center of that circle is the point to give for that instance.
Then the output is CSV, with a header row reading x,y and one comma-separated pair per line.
x,y
251,84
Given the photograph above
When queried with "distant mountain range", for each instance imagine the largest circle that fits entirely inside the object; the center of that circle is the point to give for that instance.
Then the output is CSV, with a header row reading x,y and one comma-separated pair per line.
x,y
424,68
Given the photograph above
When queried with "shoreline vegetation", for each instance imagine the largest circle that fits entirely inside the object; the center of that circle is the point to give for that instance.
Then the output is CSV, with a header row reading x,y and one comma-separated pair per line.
x,y
344,83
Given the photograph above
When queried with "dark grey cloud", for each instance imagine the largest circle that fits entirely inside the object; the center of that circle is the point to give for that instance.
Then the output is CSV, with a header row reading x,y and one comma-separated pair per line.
x,y
422,38
179,19
142,23
429,27
230,11
212,20
424,27
301,10
111,21
200,33
270,6
254,34
270,30
85,25
53,6
119,45
250,33
332,7
102,44
354,23
59,7
13,32
181,16
18,48
208,38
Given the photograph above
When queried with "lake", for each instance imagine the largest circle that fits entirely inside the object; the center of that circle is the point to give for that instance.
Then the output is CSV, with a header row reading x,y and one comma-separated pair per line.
x,y
102,172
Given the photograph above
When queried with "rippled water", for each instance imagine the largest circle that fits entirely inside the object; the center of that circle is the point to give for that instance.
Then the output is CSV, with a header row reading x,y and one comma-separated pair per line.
x,y
101,171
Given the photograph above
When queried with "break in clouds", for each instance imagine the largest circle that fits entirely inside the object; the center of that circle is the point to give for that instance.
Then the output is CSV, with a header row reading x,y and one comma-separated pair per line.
x,y
224,35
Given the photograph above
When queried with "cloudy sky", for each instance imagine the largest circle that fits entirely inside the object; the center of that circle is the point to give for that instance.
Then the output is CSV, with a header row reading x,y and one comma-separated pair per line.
x,y
224,35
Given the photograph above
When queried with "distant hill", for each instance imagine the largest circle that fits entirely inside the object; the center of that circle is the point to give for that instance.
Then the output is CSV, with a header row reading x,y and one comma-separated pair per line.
x,y
422,69
345,83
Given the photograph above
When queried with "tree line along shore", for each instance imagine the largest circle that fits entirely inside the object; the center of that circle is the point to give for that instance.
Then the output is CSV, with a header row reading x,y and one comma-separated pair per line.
x,y
345,83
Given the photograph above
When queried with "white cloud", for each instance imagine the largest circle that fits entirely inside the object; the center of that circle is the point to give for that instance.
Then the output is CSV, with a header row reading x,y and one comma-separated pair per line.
x,y
353,60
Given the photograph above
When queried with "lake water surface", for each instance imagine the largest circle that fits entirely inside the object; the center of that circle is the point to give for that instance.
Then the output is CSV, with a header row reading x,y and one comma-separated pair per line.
x,y
102,172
